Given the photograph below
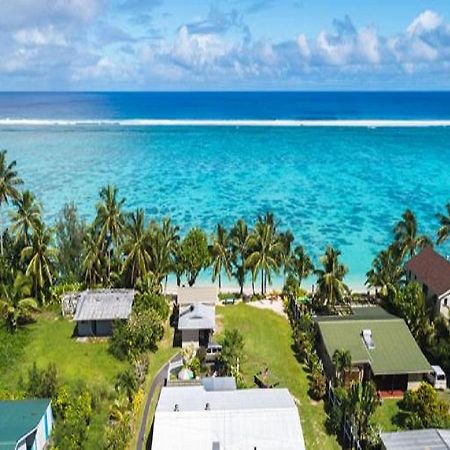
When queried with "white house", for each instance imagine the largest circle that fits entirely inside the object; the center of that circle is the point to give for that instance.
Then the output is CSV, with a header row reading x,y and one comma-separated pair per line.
x,y
193,418
97,310
432,271
429,439
197,323
25,424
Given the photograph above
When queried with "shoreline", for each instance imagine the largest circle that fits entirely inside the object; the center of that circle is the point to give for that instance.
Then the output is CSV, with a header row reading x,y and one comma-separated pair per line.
x,y
355,123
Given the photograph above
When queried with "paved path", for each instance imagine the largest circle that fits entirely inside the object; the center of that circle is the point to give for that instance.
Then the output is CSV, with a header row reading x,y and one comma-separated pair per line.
x,y
157,381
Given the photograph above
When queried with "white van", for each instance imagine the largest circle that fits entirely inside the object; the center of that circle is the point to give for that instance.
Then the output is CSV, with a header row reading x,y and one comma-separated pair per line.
x,y
437,378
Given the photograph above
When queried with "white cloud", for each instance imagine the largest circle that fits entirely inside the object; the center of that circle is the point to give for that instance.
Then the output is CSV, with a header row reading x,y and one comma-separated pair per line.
x,y
40,37
426,21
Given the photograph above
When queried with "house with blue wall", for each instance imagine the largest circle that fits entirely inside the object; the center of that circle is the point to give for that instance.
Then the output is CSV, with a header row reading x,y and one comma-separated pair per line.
x,y
25,424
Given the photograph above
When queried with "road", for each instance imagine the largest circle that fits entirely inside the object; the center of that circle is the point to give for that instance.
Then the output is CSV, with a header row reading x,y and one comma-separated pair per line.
x,y
157,381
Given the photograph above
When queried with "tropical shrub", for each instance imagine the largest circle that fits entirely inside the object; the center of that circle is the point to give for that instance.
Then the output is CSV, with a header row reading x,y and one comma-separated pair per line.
x,y
139,335
73,409
42,383
148,301
232,352
318,384
425,408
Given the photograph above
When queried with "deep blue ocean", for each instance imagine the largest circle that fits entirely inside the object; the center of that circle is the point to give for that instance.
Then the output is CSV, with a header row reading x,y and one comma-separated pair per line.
x,y
344,186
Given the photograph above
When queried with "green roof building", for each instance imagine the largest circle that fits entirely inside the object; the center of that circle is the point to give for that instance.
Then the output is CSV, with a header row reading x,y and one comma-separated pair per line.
x,y
25,424
380,344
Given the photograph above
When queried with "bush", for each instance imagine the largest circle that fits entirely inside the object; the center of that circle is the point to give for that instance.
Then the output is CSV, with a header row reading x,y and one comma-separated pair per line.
x,y
232,352
139,335
318,384
42,383
73,409
426,409
152,302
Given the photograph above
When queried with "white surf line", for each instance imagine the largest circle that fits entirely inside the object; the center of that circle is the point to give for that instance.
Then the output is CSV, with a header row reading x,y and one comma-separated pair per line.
x,y
375,123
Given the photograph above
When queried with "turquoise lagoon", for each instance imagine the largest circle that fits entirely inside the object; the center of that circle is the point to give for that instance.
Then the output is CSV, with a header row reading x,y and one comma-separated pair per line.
x,y
330,185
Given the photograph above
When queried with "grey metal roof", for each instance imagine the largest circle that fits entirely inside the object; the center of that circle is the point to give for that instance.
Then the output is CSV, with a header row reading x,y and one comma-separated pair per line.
x,y
432,439
219,383
197,317
192,418
108,304
197,294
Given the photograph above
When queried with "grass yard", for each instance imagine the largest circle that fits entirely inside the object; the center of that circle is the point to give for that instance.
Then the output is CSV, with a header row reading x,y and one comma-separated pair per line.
x,y
49,341
268,343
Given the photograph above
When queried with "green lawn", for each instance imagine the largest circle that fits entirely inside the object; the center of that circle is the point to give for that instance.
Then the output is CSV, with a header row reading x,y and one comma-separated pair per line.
x,y
49,340
268,340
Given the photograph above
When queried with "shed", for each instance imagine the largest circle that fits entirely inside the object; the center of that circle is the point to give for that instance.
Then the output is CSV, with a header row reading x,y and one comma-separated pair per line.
x,y
416,440
264,419
98,309
25,424
197,323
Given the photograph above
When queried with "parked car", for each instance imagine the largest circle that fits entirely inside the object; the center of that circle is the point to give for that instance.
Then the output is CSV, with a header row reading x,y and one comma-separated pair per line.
x,y
212,352
437,378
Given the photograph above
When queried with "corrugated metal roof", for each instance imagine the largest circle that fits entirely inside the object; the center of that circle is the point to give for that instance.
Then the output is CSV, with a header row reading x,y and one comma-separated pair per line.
x,y
109,304
265,419
197,317
197,294
18,418
432,439
395,352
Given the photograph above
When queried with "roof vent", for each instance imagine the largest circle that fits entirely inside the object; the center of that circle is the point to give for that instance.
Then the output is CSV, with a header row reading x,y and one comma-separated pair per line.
x,y
207,407
368,340
176,409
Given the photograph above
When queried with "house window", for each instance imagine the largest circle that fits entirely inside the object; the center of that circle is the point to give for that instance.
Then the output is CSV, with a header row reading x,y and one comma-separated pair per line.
x,y
445,301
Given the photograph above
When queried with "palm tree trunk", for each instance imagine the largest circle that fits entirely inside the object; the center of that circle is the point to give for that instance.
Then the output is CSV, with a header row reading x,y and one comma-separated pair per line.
x,y
262,281
1,233
220,282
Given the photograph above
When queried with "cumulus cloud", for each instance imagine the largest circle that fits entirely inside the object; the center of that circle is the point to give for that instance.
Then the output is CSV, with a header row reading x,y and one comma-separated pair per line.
x,y
74,42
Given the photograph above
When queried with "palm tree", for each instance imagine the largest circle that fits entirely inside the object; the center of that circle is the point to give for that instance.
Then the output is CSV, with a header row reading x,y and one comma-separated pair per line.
x,y
386,272
362,403
110,221
239,238
301,264
444,230
9,182
41,257
331,288
220,254
127,383
92,261
406,235
25,218
162,247
171,237
265,249
342,360
16,303
137,259
285,255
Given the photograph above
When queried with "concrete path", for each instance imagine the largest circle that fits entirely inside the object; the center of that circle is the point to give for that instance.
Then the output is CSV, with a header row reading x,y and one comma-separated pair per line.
x,y
157,381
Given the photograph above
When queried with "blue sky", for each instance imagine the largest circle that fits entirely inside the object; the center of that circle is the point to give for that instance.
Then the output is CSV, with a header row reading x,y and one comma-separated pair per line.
x,y
224,45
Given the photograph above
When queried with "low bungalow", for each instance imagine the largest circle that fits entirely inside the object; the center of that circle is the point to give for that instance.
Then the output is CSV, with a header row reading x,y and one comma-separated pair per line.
x,y
97,310
25,424
416,440
195,418
197,323
196,314
432,271
381,346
